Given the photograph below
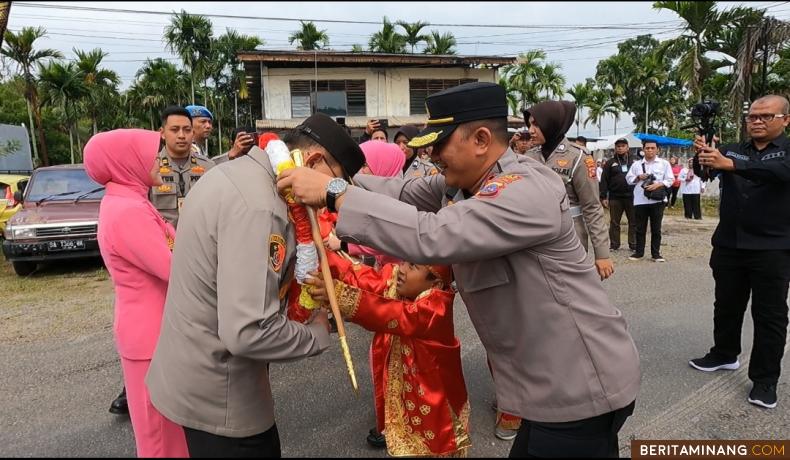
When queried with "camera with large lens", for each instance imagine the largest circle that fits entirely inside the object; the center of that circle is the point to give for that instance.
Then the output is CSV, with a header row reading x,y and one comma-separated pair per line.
x,y
705,110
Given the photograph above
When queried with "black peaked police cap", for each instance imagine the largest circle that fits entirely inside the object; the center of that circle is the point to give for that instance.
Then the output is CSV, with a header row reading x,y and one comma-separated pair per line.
x,y
460,104
334,138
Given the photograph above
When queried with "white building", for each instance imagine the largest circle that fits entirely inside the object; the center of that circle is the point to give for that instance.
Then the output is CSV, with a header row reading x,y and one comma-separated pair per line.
x,y
288,86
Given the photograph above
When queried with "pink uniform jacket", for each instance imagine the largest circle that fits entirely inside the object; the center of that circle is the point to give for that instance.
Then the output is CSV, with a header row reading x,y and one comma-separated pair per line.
x,y
133,238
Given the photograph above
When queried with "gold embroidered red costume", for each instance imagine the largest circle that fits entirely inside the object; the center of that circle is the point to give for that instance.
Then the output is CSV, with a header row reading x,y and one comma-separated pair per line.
x,y
421,401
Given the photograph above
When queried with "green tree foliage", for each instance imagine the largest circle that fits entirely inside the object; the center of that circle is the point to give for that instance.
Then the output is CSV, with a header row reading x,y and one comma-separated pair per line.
x,y
189,37
387,40
412,33
309,37
439,43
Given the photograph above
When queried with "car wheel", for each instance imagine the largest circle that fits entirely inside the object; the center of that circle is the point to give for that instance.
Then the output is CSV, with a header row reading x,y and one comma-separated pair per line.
x,y
24,268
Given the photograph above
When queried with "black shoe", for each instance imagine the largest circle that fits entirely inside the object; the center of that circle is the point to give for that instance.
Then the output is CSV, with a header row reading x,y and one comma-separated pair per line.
x,y
659,259
710,363
120,406
376,439
764,395
636,256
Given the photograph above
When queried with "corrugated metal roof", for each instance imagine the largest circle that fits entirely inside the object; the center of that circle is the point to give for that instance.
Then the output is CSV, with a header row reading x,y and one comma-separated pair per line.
x,y
279,57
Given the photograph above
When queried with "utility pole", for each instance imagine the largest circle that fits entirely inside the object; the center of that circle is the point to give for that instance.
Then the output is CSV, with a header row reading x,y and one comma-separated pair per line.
x,y
763,86
236,106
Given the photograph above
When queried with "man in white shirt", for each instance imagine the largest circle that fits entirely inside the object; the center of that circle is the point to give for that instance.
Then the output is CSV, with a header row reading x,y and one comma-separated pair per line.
x,y
691,188
640,175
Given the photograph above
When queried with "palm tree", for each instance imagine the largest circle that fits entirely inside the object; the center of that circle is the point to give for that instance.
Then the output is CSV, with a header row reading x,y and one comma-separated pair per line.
x,y
523,74
357,48
704,24
228,47
63,86
581,93
511,94
309,37
550,79
19,48
158,83
650,76
600,105
440,43
96,80
5,12
413,36
387,40
189,37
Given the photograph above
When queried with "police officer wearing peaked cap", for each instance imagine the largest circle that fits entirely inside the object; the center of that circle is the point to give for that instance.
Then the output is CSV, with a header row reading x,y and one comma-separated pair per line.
x,y
503,221
224,319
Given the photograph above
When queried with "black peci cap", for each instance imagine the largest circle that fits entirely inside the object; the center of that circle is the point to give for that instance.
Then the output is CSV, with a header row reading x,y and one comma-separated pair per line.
x,y
460,104
621,141
336,140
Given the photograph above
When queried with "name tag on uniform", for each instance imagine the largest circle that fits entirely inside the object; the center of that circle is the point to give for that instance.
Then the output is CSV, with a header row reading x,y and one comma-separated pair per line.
x,y
624,168
180,203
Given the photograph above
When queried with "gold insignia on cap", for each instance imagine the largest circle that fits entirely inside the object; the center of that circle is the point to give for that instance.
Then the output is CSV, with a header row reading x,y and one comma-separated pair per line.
x,y
422,141
439,121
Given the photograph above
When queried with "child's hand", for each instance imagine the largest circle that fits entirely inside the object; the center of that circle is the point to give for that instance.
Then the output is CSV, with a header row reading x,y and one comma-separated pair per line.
x,y
317,288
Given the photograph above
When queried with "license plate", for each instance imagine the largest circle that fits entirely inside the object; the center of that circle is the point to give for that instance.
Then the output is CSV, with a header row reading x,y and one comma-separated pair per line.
x,y
66,245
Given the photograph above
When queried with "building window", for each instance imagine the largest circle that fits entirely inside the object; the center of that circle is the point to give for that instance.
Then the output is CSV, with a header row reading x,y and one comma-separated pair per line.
x,y
334,98
419,89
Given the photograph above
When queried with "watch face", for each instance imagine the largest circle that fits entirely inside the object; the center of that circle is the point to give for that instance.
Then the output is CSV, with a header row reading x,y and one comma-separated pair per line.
x,y
336,186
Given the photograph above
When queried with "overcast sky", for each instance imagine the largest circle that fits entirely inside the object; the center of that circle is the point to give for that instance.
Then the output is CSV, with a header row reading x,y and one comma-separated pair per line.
x,y
130,38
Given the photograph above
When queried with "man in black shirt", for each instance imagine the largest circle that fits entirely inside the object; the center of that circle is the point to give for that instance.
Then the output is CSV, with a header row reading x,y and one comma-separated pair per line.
x,y
617,195
751,246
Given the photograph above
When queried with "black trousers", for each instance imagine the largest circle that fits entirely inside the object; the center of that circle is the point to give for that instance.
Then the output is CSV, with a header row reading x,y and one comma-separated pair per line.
x,y
594,437
206,445
673,195
765,275
654,213
691,206
618,206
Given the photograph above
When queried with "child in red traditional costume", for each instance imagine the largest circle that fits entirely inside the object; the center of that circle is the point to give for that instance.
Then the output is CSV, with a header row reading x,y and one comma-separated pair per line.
x,y
421,402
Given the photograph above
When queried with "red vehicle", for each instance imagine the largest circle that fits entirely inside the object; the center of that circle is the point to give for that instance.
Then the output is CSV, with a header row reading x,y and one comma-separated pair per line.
x,y
58,219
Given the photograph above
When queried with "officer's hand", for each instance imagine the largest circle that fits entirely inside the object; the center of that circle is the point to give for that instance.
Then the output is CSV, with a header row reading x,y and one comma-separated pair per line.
x,y
332,242
307,185
655,186
317,288
605,268
643,176
242,144
712,158
371,126
320,317
605,203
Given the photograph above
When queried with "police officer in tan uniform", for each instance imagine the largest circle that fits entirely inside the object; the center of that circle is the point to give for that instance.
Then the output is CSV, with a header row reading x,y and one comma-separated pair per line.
x,y
548,122
179,166
225,318
560,353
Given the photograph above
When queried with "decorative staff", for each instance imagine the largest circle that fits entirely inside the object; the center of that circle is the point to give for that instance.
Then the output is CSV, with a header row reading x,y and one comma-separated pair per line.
x,y
281,159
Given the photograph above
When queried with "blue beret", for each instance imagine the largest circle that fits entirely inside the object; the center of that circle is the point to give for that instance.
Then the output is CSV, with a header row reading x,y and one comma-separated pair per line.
x,y
199,111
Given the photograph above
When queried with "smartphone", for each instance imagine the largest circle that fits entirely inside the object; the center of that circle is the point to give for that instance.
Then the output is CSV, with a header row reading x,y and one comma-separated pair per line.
x,y
384,123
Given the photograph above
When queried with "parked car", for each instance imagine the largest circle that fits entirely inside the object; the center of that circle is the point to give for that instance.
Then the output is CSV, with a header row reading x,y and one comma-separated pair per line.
x,y
9,185
58,220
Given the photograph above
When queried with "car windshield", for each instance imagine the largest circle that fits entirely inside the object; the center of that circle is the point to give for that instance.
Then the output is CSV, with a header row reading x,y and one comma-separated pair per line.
x,y
61,185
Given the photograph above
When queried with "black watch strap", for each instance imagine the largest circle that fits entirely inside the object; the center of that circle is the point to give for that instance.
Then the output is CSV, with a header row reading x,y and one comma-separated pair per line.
x,y
344,246
330,202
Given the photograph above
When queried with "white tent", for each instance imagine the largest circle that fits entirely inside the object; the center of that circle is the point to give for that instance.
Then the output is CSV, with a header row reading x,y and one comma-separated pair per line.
x,y
607,142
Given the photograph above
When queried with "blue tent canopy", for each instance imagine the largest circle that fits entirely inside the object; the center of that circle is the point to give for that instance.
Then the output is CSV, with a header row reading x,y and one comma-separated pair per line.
x,y
662,140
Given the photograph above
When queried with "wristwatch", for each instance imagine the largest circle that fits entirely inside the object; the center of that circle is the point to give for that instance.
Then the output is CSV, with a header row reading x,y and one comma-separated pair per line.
x,y
334,189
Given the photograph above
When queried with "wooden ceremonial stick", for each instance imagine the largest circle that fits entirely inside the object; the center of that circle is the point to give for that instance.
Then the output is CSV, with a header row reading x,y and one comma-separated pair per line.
x,y
330,286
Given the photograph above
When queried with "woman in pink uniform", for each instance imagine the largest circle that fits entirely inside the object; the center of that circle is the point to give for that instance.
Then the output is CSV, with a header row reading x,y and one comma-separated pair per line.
x,y
136,244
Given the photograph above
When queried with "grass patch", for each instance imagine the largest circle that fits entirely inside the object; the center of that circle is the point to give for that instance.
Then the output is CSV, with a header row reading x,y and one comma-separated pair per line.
x,y
66,299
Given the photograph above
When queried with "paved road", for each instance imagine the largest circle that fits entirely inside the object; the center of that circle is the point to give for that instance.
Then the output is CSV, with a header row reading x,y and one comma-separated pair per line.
x,y
54,394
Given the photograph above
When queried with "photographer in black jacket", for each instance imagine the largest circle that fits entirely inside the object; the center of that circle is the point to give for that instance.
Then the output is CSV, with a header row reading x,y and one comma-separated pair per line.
x,y
751,246
617,195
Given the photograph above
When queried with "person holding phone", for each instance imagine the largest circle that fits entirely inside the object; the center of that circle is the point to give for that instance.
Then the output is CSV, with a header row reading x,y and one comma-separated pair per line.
x,y
244,138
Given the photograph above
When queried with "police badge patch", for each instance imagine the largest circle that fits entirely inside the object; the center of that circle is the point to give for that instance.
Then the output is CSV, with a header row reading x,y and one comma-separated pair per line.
x,y
590,163
276,252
